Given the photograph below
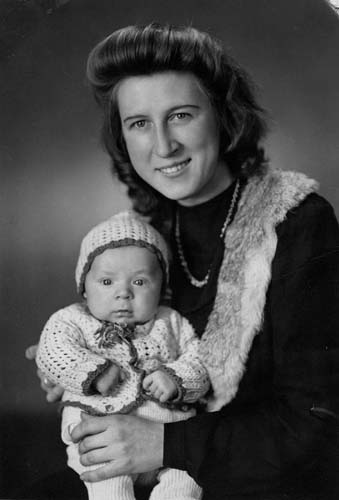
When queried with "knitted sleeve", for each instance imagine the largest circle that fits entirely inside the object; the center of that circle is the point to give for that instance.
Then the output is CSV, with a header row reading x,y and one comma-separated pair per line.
x,y
63,356
188,366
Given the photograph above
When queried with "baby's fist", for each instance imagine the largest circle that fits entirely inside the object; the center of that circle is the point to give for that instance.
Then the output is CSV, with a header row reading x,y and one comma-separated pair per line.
x,y
160,386
107,381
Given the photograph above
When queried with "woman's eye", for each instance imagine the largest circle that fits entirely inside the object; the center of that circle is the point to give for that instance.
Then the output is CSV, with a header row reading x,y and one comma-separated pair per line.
x,y
106,281
180,116
139,282
139,124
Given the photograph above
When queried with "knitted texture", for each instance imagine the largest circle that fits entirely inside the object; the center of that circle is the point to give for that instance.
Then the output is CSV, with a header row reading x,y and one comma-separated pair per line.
x,y
123,229
72,354
245,273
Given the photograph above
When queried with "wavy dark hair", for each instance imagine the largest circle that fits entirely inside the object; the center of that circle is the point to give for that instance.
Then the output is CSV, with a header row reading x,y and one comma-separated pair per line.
x,y
154,48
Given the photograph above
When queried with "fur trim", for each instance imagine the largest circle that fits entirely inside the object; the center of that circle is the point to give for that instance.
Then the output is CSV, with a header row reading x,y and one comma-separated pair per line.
x,y
245,274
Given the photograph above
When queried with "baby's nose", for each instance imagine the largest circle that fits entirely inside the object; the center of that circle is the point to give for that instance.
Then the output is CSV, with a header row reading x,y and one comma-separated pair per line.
x,y
123,293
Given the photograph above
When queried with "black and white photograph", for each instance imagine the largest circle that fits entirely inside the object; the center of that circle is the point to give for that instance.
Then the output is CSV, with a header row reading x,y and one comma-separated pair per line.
x,y
169,250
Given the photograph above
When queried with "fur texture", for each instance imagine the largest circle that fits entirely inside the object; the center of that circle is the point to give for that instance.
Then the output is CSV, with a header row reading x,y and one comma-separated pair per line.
x,y
245,273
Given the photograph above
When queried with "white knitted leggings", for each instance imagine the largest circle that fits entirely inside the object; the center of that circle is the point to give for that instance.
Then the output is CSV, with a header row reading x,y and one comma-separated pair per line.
x,y
172,484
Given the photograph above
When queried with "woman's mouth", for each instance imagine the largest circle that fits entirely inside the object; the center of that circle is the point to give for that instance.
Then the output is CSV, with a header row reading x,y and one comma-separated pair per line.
x,y
175,168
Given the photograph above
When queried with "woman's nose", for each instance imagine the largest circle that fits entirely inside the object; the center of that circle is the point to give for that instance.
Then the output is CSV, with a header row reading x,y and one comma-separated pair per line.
x,y
164,142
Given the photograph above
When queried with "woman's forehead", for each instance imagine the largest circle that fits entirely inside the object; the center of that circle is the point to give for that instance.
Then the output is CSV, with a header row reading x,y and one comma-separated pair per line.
x,y
143,93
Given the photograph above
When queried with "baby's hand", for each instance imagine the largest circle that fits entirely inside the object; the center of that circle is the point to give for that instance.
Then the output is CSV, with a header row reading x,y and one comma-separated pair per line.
x,y
108,380
160,385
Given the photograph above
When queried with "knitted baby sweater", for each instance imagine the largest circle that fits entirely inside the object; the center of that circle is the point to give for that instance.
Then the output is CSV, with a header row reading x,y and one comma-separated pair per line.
x,y
75,348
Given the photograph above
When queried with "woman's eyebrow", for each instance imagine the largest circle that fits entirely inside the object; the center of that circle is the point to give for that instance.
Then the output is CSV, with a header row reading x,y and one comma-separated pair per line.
x,y
179,106
134,117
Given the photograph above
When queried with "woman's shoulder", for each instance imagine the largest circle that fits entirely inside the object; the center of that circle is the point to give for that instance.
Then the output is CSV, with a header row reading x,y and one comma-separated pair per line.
x,y
270,194
314,205
313,213
309,230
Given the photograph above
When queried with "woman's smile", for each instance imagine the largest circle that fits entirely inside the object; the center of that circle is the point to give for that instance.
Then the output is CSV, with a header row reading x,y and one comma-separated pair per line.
x,y
174,169
172,136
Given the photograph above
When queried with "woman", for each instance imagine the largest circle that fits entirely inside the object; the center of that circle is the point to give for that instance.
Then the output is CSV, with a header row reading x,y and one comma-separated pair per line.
x,y
255,269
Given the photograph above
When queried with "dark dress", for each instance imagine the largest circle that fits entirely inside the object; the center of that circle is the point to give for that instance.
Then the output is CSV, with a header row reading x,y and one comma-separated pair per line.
x,y
279,437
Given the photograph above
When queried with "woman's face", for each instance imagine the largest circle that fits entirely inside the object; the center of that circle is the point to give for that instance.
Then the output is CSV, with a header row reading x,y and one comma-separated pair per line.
x,y
172,136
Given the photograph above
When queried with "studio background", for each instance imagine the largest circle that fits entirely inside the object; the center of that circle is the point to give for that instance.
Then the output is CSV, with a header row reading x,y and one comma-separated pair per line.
x,y
55,178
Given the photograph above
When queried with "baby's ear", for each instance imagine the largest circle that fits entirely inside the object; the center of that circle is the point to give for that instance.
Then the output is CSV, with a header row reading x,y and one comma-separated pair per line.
x,y
84,295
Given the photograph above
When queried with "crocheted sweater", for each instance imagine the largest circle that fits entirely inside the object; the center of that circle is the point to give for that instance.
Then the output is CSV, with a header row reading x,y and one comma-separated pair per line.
x,y
75,348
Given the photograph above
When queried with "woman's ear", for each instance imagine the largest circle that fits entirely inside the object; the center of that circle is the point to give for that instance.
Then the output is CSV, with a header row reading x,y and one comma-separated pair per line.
x,y
84,295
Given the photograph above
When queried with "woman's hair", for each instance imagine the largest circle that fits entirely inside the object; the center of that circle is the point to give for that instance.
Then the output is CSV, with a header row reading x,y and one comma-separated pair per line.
x,y
145,50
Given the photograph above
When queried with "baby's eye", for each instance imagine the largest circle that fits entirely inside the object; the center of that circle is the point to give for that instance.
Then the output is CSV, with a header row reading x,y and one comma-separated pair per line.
x,y
139,282
106,281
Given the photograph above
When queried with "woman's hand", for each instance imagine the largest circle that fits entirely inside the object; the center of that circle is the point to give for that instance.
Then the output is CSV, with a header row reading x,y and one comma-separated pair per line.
x,y
130,444
54,392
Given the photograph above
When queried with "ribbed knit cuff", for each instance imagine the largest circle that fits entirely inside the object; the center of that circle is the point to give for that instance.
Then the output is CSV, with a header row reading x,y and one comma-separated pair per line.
x,y
178,382
174,445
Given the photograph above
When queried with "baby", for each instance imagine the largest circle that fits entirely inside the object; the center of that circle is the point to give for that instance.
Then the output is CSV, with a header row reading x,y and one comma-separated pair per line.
x,y
119,351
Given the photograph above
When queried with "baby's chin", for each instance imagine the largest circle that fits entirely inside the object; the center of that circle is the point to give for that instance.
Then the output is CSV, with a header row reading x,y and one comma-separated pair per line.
x,y
123,319
131,321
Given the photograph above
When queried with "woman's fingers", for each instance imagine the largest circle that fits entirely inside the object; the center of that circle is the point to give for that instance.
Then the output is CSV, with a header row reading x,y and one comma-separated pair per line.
x,y
92,442
45,383
30,352
131,444
114,468
54,393
88,425
95,457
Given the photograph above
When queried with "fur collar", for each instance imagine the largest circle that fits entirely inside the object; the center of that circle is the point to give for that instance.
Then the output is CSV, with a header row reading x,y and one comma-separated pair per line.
x,y
245,273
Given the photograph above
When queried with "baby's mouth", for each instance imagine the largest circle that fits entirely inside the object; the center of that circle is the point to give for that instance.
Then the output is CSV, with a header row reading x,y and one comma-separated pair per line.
x,y
123,313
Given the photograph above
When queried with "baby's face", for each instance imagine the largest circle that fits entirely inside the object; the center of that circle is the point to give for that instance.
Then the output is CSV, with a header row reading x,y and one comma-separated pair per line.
x,y
124,285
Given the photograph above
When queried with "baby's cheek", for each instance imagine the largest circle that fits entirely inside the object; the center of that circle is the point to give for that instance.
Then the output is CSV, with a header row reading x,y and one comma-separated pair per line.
x,y
99,307
154,299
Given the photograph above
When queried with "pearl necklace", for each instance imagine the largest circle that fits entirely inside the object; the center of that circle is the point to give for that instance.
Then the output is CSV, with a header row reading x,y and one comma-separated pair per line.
x,y
184,265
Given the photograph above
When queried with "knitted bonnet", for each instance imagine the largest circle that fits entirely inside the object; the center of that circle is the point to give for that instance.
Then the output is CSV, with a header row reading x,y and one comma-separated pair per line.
x,y
123,229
